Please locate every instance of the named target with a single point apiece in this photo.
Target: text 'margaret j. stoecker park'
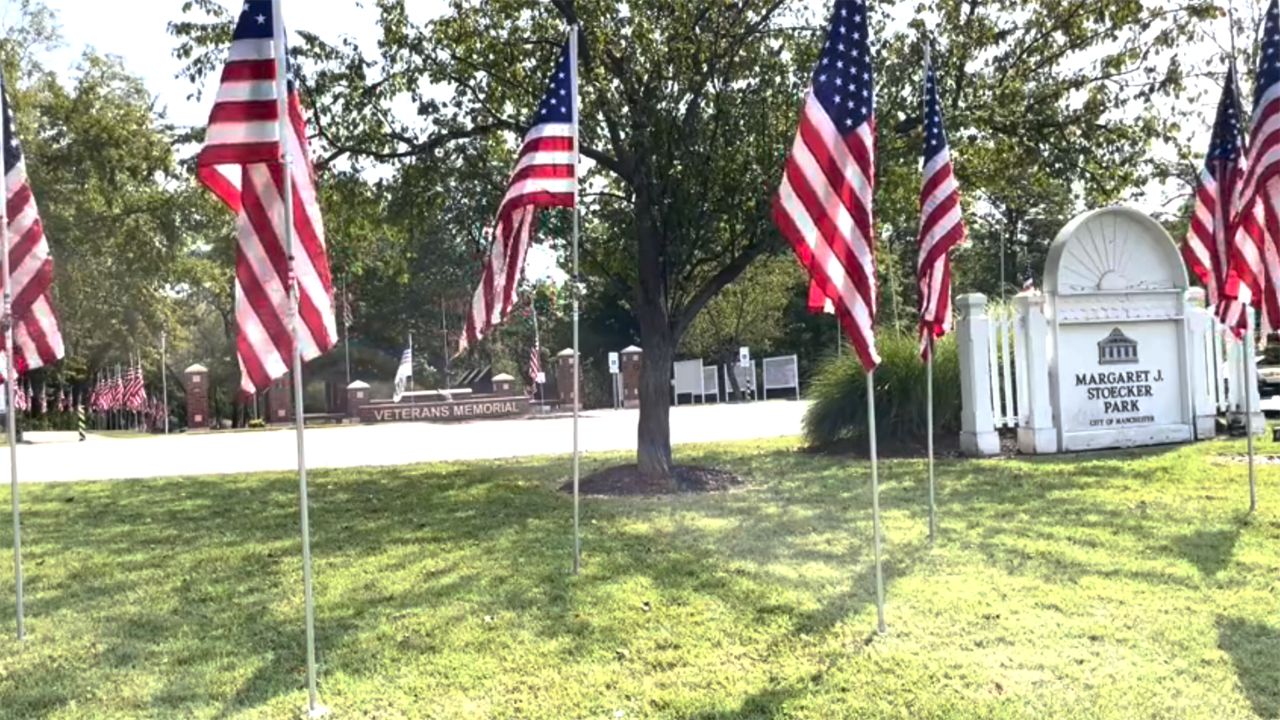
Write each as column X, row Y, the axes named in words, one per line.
column 671, row 360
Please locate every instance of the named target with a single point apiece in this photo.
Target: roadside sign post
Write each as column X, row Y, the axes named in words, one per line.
column 615, row 373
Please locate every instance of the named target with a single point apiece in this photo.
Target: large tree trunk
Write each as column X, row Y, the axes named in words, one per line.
column 653, row 447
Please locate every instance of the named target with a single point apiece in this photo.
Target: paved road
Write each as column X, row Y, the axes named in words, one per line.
column 57, row 457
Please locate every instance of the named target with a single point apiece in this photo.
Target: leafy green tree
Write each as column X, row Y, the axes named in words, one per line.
column 1051, row 107
column 752, row 311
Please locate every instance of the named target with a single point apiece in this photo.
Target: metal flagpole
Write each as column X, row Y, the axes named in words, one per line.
column 1249, row 381
column 929, row 347
column 410, row 362
column 577, row 302
column 444, row 329
column 164, row 376
column 933, row 506
column 537, row 343
column 299, row 409
column 11, row 412
column 346, row 327
column 875, row 499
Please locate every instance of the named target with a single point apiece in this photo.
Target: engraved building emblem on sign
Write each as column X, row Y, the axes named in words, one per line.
column 1118, row 349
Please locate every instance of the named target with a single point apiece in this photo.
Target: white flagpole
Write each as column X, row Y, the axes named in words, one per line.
column 346, row 327
column 1250, row 382
column 875, row 498
column 11, row 380
column 537, row 342
column 577, row 303
column 933, row 506
column 299, row 410
column 164, row 376
column 410, row 362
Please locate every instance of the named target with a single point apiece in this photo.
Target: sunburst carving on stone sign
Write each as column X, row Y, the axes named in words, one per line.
column 1101, row 258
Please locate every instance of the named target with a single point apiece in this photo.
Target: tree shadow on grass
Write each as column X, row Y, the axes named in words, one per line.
column 1255, row 650
column 764, row 705
column 1210, row 551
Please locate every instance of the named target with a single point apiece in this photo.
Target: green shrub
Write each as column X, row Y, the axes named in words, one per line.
column 257, row 424
column 838, row 416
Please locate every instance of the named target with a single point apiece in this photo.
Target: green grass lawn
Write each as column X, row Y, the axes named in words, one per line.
column 1129, row 585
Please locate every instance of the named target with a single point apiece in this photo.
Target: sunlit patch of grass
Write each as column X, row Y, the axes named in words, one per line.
column 1123, row 585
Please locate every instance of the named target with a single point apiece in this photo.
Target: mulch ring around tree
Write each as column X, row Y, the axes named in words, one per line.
column 626, row 481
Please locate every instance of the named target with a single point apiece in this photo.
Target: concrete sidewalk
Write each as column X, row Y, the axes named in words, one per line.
column 57, row 457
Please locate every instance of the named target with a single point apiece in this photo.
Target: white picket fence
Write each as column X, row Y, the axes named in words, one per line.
column 1002, row 344
column 1216, row 355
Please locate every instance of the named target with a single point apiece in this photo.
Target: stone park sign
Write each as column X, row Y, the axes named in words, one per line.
column 1112, row 354
column 1119, row 347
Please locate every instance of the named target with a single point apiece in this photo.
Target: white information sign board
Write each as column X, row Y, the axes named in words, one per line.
column 710, row 383
column 782, row 373
column 615, row 363
column 688, row 379
column 744, row 357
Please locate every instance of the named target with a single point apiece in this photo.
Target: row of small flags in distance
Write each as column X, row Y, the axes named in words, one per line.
column 125, row 392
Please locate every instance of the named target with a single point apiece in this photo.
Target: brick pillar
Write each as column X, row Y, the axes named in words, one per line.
column 280, row 401
column 632, row 359
column 357, row 397
column 504, row 385
column 564, row 377
column 198, row 418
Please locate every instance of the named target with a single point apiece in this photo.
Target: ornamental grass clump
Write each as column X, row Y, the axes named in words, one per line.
column 838, row 417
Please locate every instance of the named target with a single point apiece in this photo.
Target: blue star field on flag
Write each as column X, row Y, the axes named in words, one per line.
column 843, row 80
column 935, row 135
column 557, row 104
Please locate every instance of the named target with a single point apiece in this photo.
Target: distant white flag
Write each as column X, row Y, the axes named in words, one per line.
column 404, row 373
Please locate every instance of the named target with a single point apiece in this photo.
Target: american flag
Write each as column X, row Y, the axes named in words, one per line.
column 545, row 176
column 535, row 364
column 37, row 340
column 115, row 392
column 824, row 206
column 1255, row 259
column 21, row 399
column 241, row 162
column 941, row 221
column 1207, row 248
column 135, row 394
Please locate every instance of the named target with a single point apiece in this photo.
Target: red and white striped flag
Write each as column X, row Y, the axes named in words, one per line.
column 941, row 221
column 37, row 341
column 545, row 176
column 824, row 206
column 535, row 365
column 135, row 390
column 1255, row 258
column 116, row 397
column 1207, row 248
column 242, row 163
column 21, row 399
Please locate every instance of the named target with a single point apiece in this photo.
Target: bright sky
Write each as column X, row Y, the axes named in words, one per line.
column 147, row 48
